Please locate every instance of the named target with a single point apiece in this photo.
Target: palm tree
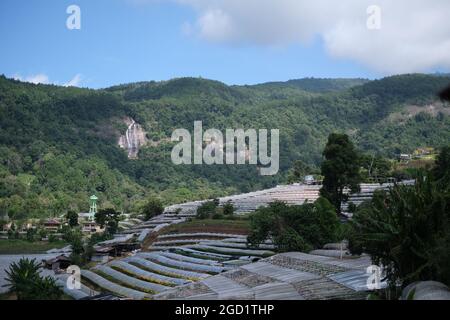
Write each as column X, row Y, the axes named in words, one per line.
column 21, row 277
column 25, row 281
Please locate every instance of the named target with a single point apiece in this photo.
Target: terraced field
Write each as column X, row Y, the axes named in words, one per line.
column 187, row 264
column 207, row 265
column 287, row 276
column 173, row 260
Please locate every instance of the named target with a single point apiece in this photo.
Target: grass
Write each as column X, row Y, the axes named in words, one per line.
column 14, row 246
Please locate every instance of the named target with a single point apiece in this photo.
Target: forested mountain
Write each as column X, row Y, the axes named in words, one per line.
column 59, row 145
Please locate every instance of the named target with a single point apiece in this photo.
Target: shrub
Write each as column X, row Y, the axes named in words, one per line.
column 290, row 240
column 52, row 238
column 295, row 227
column 152, row 208
column 31, row 235
column 217, row 216
column 228, row 209
column 206, row 210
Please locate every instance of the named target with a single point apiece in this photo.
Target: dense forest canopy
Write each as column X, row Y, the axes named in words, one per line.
column 59, row 145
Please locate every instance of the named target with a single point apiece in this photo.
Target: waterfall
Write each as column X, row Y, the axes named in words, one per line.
column 133, row 139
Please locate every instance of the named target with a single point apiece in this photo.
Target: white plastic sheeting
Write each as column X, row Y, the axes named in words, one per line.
column 153, row 277
column 201, row 234
column 232, row 251
column 144, row 235
column 116, row 240
column 244, row 240
column 209, row 255
column 131, row 281
column 177, row 242
column 113, row 287
column 84, row 291
column 182, row 264
column 236, row 245
column 181, row 257
column 166, row 270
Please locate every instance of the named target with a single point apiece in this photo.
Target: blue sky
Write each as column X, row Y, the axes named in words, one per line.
column 123, row 41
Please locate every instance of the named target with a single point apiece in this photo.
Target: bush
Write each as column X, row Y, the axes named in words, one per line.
column 31, row 235
column 42, row 233
column 228, row 209
column 295, row 227
column 52, row 238
column 206, row 210
column 290, row 240
column 217, row 216
column 152, row 208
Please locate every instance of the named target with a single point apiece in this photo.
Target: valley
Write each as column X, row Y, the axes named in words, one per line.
column 60, row 145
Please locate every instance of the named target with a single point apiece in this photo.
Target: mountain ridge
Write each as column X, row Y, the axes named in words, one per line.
column 59, row 145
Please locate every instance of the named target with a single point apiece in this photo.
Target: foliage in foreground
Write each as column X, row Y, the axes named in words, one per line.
column 407, row 229
column 295, row 228
column 24, row 280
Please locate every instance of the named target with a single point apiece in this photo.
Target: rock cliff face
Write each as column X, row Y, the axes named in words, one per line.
column 134, row 138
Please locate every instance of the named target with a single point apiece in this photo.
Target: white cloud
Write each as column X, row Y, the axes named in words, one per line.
column 414, row 34
column 36, row 79
column 42, row 78
column 74, row 82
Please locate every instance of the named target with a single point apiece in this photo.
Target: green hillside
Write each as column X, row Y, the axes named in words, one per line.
column 59, row 145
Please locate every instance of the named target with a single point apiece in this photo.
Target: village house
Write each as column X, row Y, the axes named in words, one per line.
column 52, row 225
column 58, row 263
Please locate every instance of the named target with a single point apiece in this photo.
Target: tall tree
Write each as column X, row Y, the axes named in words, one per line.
column 108, row 218
column 72, row 218
column 341, row 169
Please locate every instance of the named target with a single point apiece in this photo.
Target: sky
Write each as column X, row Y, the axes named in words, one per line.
column 233, row 41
